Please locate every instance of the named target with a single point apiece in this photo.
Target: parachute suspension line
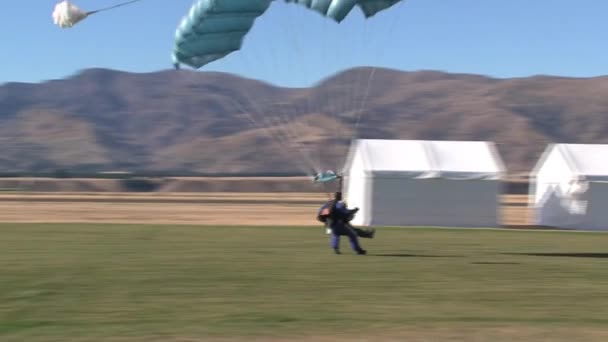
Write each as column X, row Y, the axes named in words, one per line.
column 302, row 122
column 317, row 96
column 364, row 92
column 294, row 119
column 284, row 120
column 268, row 123
column 372, row 65
column 344, row 100
column 320, row 105
column 358, row 110
column 254, row 113
column 66, row 14
column 278, row 122
column 295, row 126
column 261, row 119
column 329, row 101
column 261, row 113
column 379, row 54
column 358, row 85
column 268, row 132
column 290, row 144
column 113, row 7
column 354, row 93
column 363, row 101
column 286, row 115
column 287, row 120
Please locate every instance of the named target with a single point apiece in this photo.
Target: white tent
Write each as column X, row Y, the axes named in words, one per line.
column 569, row 187
column 424, row 183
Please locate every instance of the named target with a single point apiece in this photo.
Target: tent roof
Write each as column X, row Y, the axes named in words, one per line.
column 441, row 158
column 583, row 159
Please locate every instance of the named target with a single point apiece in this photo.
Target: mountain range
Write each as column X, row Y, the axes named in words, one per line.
column 216, row 123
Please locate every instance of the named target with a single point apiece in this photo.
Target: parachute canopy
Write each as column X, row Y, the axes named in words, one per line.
column 215, row 28
column 67, row 15
column 326, row 177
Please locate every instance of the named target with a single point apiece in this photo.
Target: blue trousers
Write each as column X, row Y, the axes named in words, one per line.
column 338, row 230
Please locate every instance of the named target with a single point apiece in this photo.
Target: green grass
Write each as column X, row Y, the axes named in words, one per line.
column 167, row 283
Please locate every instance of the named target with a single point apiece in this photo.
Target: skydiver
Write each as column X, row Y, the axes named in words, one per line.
column 337, row 217
column 323, row 213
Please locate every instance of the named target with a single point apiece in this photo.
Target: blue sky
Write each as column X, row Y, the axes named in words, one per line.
column 292, row 46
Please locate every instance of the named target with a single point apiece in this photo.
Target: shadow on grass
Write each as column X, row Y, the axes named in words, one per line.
column 495, row 263
column 404, row 255
column 565, row 255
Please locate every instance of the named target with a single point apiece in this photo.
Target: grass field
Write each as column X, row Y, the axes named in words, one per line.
column 132, row 283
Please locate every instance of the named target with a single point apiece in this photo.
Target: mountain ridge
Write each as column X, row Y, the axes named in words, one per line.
column 211, row 122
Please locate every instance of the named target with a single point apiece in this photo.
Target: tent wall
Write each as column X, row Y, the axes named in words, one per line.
column 466, row 158
column 424, row 183
column 549, row 185
column 395, row 155
column 357, row 187
column 596, row 198
column 569, row 187
column 554, row 209
column 587, row 211
column 555, row 171
column 434, row 202
column 588, row 159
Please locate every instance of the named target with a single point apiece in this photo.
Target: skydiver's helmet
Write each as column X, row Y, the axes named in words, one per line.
column 338, row 196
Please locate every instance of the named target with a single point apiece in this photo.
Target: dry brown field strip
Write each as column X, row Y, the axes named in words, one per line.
column 200, row 208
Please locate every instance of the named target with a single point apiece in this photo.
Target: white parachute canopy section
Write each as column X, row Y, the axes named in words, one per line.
column 67, row 14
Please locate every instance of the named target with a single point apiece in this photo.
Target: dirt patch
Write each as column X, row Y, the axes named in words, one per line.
column 198, row 209
column 162, row 185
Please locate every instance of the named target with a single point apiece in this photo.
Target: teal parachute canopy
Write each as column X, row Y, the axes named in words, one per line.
column 326, row 177
column 215, row 28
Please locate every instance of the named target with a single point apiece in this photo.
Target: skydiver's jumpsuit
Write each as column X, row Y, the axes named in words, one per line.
column 337, row 219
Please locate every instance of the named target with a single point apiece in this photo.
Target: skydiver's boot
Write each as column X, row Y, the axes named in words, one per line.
column 354, row 243
column 369, row 234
